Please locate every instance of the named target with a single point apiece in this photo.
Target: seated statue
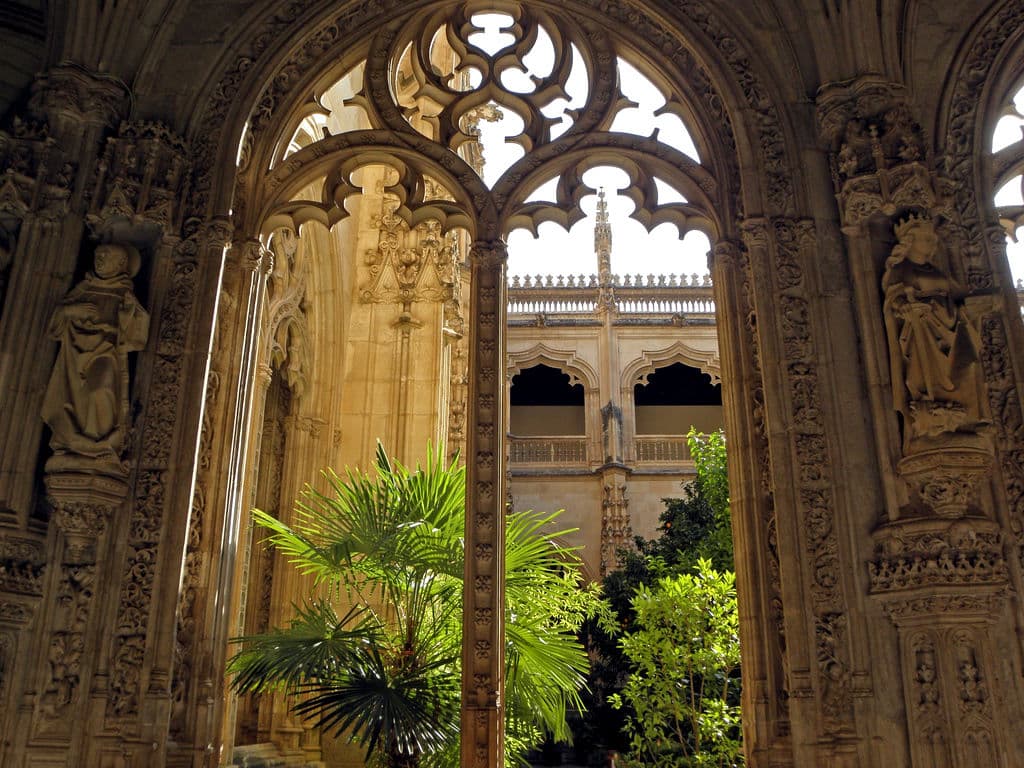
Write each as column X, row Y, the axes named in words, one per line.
column 97, row 324
column 934, row 349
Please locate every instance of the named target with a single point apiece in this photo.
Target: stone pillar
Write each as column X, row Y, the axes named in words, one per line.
column 483, row 633
column 825, row 652
column 939, row 567
column 616, row 530
column 210, row 597
column 765, row 664
column 71, row 635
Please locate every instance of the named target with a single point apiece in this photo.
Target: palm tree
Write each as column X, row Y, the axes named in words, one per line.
column 386, row 670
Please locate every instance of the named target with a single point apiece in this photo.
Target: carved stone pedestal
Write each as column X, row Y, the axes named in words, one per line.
column 942, row 582
column 83, row 504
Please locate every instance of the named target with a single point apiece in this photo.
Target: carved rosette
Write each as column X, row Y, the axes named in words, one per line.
column 483, row 610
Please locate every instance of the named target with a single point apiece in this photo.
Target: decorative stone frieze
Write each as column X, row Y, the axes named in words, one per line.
column 22, row 565
column 929, row 552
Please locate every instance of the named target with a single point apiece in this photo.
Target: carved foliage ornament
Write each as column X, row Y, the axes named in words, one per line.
column 409, row 265
column 151, row 492
column 791, row 239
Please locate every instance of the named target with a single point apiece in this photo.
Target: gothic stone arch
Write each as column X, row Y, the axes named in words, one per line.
column 873, row 578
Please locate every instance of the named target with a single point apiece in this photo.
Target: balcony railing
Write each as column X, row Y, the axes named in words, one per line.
column 654, row 299
column 554, row 451
column 662, row 449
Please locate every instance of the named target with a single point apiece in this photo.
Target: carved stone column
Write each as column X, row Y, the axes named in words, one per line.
column 825, row 677
column 754, row 519
column 83, row 507
column 209, row 602
column 616, row 530
column 483, row 628
column 939, row 569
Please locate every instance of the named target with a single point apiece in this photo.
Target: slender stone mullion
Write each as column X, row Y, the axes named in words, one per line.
column 251, row 283
column 483, row 640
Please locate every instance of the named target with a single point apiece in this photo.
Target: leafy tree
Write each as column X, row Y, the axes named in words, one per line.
column 698, row 525
column 387, row 670
column 693, row 527
column 684, row 653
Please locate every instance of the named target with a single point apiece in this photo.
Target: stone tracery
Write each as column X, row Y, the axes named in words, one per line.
column 785, row 416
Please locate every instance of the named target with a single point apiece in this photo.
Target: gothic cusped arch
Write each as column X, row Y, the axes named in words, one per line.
column 716, row 74
column 262, row 97
column 636, row 372
column 578, row 369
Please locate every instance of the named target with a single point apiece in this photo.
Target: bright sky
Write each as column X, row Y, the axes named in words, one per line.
column 634, row 250
column 557, row 251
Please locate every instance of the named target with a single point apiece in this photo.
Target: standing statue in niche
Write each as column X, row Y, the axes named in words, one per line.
column 934, row 350
column 97, row 324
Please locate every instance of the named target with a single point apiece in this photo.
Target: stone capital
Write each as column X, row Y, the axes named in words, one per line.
column 488, row 254
column 754, row 232
column 724, row 252
column 70, row 95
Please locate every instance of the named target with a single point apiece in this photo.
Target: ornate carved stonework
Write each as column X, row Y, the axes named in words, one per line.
column 145, row 524
column 82, row 506
column 22, row 565
column 788, row 241
column 37, row 176
column 408, row 265
column 936, row 552
column 287, row 343
column 483, row 649
column 616, row 531
column 140, row 179
column 86, row 403
column 68, row 96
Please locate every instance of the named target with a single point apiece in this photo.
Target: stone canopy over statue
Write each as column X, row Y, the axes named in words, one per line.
column 934, row 348
column 86, row 403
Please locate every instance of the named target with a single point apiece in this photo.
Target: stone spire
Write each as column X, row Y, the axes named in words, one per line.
column 603, row 238
column 603, row 249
